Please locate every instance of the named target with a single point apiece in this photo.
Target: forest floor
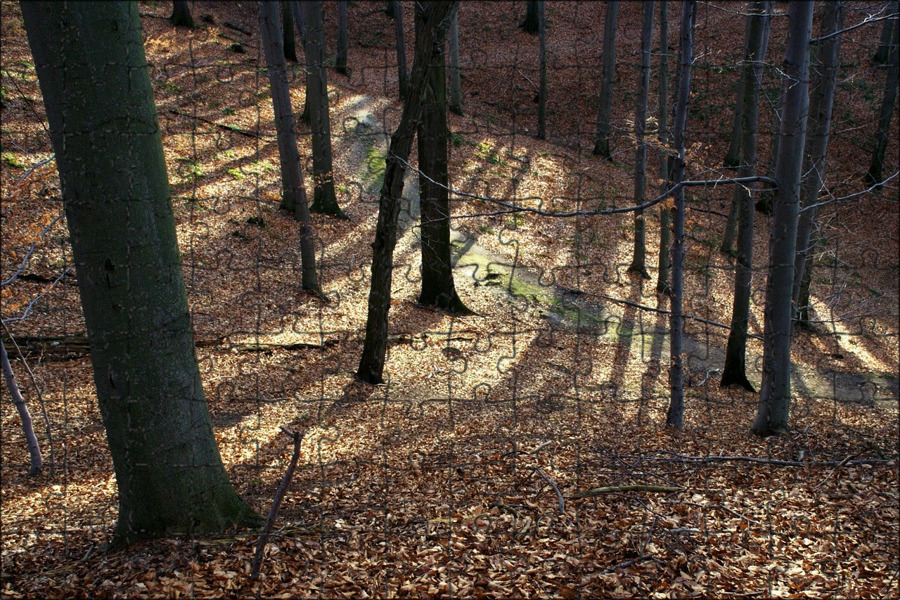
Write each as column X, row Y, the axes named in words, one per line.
column 517, row 452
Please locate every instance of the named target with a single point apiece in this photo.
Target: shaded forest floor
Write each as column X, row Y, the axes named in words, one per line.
column 520, row 451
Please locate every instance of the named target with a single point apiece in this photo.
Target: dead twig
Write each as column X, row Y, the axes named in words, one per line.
column 559, row 496
column 663, row 489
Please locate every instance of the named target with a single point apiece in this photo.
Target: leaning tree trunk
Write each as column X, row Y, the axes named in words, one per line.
column 883, row 54
column 402, row 76
column 435, row 19
column 735, row 371
column 532, row 22
column 775, row 395
column 456, row 98
column 92, row 70
column 324, row 199
column 340, row 60
column 34, row 449
column 604, row 112
column 181, row 14
column 821, row 102
column 293, row 193
column 438, row 289
column 542, row 60
column 638, row 261
column 675, row 413
column 287, row 30
column 874, row 175
column 665, row 215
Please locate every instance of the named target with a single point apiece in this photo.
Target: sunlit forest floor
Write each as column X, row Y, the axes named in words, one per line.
column 519, row 451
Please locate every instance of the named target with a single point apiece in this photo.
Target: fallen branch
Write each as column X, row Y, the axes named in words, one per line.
column 231, row 128
column 628, row 488
column 559, row 496
column 763, row 461
column 276, row 503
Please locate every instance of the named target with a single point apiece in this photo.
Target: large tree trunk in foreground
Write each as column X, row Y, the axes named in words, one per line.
column 675, row 413
column 435, row 16
column 92, row 70
column 821, row 102
column 886, row 111
column 665, row 215
column 438, row 289
column 604, row 112
column 735, row 370
column 638, row 260
column 775, row 395
column 293, row 192
column 324, row 199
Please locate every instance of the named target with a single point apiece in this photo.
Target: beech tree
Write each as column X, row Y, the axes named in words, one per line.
column 638, row 260
column 735, row 372
column 402, row 76
column 775, row 393
column 532, row 21
column 874, row 174
column 287, row 31
column 340, row 60
column 181, row 14
column 883, row 54
column 456, row 99
column 434, row 17
column 665, row 215
column 604, row 112
column 91, row 67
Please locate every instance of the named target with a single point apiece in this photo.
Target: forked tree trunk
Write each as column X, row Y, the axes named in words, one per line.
column 92, row 70
column 735, row 370
column 435, row 16
column 542, row 60
column 821, row 102
column 665, row 214
column 675, row 413
column 324, row 199
column 456, row 98
column 340, row 60
column 874, row 174
column 402, row 76
column 775, row 395
column 638, row 260
column 604, row 112
column 293, row 192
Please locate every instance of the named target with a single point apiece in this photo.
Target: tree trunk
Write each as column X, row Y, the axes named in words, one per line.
column 675, row 413
column 438, row 289
column 638, row 261
column 733, row 156
column 542, row 60
column 403, row 78
column 821, row 102
column 532, row 21
column 665, row 215
column 34, row 449
column 324, row 199
column 604, row 112
column 874, row 175
column 287, row 30
column 456, row 98
column 293, row 192
column 340, row 61
column 435, row 17
column 297, row 13
column 883, row 54
column 775, row 395
column 92, row 70
column 181, row 14
column 735, row 372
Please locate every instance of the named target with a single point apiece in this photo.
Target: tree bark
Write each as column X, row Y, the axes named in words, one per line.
column 886, row 111
column 638, row 260
column 821, row 102
column 532, row 21
column 883, row 54
column 675, row 413
column 436, row 17
column 542, row 60
column 297, row 13
column 456, row 98
column 92, row 70
column 402, row 76
column 735, row 372
column 438, row 289
column 181, row 14
column 733, row 156
column 287, row 30
column 34, row 449
column 340, row 61
column 324, row 199
column 665, row 215
column 604, row 112
column 775, row 395
column 293, row 192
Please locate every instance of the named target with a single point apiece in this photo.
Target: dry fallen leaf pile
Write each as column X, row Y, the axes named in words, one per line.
column 517, row 452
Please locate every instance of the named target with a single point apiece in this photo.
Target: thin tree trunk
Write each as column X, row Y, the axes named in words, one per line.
column 665, row 214
column 456, row 98
column 775, row 395
column 531, row 24
column 103, row 125
column 287, row 30
column 340, row 61
column 638, row 261
column 733, row 156
column 371, row 366
column 34, row 449
column 181, row 14
column 542, row 59
column 675, row 413
column 438, row 289
column 293, row 192
column 874, row 174
column 821, row 103
column 301, row 31
column 403, row 78
column 735, row 371
column 324, row 199
column 604, row 112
